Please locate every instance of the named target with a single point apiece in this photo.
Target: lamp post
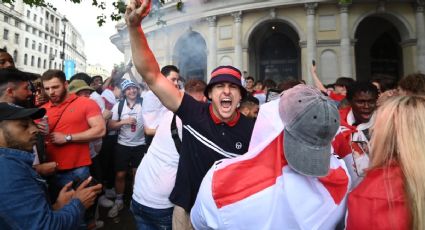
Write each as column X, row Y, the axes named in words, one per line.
column 64, row 21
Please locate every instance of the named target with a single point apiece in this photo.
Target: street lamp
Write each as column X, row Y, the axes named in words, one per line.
column 64, row 21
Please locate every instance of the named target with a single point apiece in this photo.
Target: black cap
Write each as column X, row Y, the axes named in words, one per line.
column 10, row 111
column 14, row 75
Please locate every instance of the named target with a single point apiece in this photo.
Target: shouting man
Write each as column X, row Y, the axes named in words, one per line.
column 210, row 131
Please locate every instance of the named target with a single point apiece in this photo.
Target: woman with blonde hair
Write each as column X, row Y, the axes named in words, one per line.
column 392, row 194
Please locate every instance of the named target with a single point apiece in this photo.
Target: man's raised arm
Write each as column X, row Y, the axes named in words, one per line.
column 143, row 58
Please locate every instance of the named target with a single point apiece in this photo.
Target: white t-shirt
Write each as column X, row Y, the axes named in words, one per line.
column 98, row 99
column 153, row 110
column 156, row 174
column 126, row 136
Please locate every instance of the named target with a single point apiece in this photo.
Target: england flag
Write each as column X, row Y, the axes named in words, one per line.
column 260, row 191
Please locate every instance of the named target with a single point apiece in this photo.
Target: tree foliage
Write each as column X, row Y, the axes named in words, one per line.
column 119, row 7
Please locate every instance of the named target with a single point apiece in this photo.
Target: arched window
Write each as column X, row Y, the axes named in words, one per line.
column 44, row 64
column 38, row 62
column 25, row 59
column 32, row 60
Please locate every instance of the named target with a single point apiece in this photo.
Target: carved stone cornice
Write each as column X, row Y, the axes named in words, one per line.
column 343, row 7
column 419, row 6
column 237, row 16
column 311, row 8
column 212, row 21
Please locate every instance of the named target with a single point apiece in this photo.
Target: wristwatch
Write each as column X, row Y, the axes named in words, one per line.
column 68, row 138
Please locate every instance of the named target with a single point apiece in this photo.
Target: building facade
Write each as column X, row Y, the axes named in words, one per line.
column 278, row 39
column 97, row 69
column 34, row 37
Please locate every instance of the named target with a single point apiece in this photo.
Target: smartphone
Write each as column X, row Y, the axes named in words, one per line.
column 313, row 62
column 77, row 182
column 360, row 153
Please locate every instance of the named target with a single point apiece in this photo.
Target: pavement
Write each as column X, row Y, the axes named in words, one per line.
column 124, row 220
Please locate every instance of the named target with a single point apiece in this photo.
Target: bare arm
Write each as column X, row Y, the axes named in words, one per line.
column 144, row 59
column 97, row 130
column 115, row 125
column 316, row 79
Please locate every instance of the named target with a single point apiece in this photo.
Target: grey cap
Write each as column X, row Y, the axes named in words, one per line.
column 311, row 121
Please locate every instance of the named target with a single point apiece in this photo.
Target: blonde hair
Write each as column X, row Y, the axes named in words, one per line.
column 399, row 136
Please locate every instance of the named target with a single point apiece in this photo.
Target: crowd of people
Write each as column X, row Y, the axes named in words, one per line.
column 235, row 153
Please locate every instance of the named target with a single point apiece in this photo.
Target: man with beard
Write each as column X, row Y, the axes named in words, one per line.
column 14, row 89
column 14, row 86
column 24, row 203
column 351, row 141
column 73, row 122
column 210, row 131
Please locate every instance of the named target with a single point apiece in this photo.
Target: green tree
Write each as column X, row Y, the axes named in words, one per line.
column 118, row 5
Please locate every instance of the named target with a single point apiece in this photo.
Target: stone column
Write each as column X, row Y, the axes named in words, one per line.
column 212, row 43
column 237, row 38
column 311, row 38
column 345, row 45
column 420, row 36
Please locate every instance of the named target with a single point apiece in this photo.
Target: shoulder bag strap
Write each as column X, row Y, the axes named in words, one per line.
column 175, row 134
column 52, row 128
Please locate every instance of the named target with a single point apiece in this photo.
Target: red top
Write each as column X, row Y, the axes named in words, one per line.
column 336, row 97
column 73, row 120
column 379, row 202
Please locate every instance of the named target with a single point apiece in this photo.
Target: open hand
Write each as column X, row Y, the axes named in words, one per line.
column 65, row 196
column 87, row 195
column 136, row 11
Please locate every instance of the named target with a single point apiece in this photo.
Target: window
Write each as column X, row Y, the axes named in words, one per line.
column 45, row 49
column 35, row 18
column 28, row 14
column 40, row 33
column 41, row 21
column 16, row 38
column 17, row 23
column 25, row 59
column 55, row 65
column 44, row 64
column 5, row 34
column 38, row 62
column 26, row 42
column 39, row 47
column 33, row 45
column 51, row 50
column 15, row 56
column 46, row 36
column 32, row 60
column 6, row 19
column 34, row 30
column 27, row 28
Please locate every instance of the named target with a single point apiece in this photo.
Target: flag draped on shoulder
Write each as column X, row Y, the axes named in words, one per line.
column 259, row 190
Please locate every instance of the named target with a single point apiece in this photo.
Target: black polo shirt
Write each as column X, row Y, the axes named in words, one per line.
column 205, row 140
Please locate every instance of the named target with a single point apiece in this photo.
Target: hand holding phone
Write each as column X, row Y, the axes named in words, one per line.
column 77, row 182
column 87, row 191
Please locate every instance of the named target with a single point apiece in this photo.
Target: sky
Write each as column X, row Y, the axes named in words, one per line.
column 98, row 47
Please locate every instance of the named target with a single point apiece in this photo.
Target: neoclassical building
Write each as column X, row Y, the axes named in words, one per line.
column 35, row 37
column 278, row 39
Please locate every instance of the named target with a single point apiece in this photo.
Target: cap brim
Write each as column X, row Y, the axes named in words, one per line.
column 82, row 88
column 305, row 159
column 34, row 113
